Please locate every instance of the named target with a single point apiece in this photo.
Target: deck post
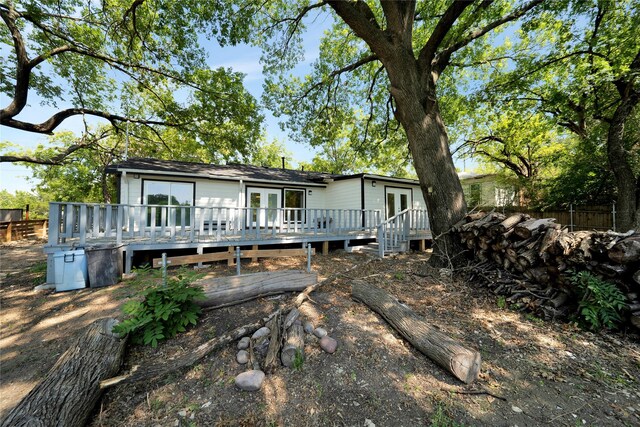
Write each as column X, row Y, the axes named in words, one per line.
column 230, row 261
column 200, row 251
column 255, row 258
column 128, row 260
column 325, row 247
column 423, row 245
column 308, row 257
column 238, row 262
column 82, row 224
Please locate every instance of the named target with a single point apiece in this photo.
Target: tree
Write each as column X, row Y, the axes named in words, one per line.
column 38, row 208
column 522, row 144
column 406, row 48
column 580, row 65
column 139, row 65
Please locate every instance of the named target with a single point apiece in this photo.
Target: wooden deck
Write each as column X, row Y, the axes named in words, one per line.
column 157, row 227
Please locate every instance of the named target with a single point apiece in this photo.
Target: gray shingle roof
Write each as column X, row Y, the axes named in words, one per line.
column 231, row 171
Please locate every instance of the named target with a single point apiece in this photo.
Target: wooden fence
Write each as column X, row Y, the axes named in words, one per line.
column 22, row 230
column 575, row 218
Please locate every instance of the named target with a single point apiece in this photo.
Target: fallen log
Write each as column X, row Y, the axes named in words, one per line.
column 463, row 363
column 294, row 346
column 507, row 224
column 150, row 372
column 231, row 290
column 70, row 390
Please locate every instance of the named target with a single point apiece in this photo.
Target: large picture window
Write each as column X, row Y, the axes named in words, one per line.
column 294, row 199
column 169, row 193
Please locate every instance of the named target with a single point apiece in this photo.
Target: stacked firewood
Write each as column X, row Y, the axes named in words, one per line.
column 531, row 260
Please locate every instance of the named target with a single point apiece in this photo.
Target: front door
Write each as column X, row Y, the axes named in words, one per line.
column 264, row 204
column 398, row 199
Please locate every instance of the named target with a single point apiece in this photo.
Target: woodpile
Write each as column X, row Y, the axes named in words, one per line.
column 530, row 261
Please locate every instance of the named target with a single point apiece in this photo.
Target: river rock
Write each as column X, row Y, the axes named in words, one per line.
column 242, row 357
column 328, row 344
column 308, row 327
column 320, row 332
column 243, row 344
column 250, row 380
column 262, row 332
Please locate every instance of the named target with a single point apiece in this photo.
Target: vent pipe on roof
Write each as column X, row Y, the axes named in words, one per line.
column 282, row 162
column 302, row 168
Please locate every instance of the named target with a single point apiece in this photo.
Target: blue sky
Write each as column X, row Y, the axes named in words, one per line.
column 245, row 59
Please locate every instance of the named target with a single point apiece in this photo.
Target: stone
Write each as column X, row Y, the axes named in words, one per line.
column 243, row 344
column 320, row 332
column 182, row 413
column 242, row 357
column 308, row 327
column 250, row 380
column 328, row 344
column 262, row 332
column 368, row 423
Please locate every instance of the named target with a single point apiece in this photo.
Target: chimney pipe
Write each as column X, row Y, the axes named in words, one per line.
column 302, row 168
column 282, row 162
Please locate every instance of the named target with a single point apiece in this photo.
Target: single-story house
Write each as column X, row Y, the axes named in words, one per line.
column 166, row 205
column 483, row 189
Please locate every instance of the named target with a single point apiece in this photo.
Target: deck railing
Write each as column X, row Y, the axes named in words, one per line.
column 397, row 229
column 85, row 222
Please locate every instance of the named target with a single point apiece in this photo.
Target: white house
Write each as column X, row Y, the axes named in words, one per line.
column 169, row 205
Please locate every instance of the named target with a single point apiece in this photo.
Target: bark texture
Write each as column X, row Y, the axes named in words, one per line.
column 70, row 390
column 451, row 355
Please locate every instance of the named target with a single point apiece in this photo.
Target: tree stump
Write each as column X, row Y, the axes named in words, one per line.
column 463, row 363
column 71, row 389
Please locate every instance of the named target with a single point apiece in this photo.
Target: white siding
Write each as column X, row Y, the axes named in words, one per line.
column 217, row 193
column 344, row 194
column 317, row 198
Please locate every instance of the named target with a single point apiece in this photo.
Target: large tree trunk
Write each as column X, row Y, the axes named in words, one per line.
column 627, row 205
column 463, row 363
column 418, row 112
column 71, row 389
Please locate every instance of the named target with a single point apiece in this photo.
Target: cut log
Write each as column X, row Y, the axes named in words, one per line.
column 463, row 363
column 507, row 224
column 271, row 361
column 70, row 390
column 529, row 227
column 293, row 346
column 225, row 291
column 528, row 258
column 626, row 251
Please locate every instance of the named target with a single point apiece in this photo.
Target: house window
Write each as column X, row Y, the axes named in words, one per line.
column 294, row 205
column 165, row 193
column 475, row 195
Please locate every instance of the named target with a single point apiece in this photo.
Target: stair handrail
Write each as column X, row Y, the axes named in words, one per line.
column 394, row 224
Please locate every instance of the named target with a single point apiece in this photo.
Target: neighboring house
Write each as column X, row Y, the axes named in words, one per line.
column 484, row 190
column 165, row 205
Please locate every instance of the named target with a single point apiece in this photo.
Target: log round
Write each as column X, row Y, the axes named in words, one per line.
column 71, row 389
column 294, row 345
column 460, row 361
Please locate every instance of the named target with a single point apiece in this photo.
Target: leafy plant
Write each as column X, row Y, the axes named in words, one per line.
column 161, row 311
column 298, row 360
column 600, row 303
column 501, row 302
column 440, row 418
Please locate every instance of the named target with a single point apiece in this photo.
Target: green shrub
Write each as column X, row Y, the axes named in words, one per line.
column 161, row 311
column 601, row 303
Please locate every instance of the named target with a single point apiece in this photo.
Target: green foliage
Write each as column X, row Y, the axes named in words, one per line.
column 38, row 205
column 501, row 302
column 298, row 360
column 440, row 418
column 601, row 303
column 160, row 312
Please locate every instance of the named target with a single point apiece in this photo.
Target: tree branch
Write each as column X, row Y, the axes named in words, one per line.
column 442, row 58
column 336, row 73
column 444, row 25
column 359, row 17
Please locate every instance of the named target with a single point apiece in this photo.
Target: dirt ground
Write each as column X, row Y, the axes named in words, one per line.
column 535, row 372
